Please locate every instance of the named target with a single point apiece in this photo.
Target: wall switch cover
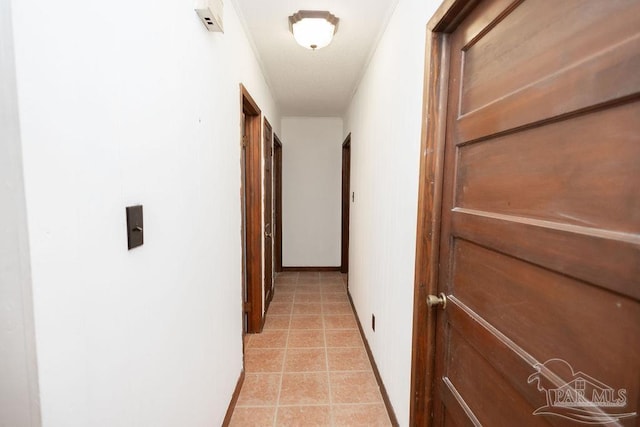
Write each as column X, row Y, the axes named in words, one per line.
column 211, row 13
column 135, row 231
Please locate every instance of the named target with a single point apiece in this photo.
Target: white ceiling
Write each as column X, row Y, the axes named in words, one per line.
column 314, row 83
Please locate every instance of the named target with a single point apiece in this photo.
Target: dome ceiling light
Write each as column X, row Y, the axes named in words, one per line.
column 313, row 29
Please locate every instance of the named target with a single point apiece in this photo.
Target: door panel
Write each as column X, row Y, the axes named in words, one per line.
column 494, row 172
column 494, row 58
column 540, row 233
column 513, row 283
column 471, row 371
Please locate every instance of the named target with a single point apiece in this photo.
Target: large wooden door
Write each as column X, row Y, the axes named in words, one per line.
column 251, row 197
column 277, row 202
column 267, row 135
column 539, row 242
column 346, row 203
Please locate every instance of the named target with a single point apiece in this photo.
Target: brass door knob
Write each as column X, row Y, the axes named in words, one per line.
column 433, row 300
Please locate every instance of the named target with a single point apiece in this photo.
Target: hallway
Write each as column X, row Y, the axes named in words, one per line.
column 309, row 366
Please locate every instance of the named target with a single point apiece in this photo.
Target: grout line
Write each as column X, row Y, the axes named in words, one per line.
column 326, row 355
column 284, row 360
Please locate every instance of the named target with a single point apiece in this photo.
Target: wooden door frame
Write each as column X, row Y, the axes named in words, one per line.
column 346, row 206
column 277, row 193
column 434, row 113
column 253, row 190
column 268, row 170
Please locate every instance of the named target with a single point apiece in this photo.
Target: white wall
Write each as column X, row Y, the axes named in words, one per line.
column 125, row 103
column 384, row 118
column 311, row 191
column 18, row 372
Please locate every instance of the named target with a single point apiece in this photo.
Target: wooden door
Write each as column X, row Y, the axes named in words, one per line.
column 243, row 206
column 251, row 195
column 346, row 203
column 267, row 136
column 277, row 201
column 539, row 242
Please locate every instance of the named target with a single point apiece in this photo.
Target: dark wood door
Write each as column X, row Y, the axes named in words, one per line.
column 251, row 194
column 243, row 206
column 346, row 203
column 539, row 253
column 268, row 210
column 277, row 201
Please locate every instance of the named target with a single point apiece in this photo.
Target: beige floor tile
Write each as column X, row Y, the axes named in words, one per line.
column 276, row 322
column 304, row 389
column 305, row 360
column 305, row 338
column 334, row 288
column 336, row 308
column 308, row 416
column 328, row 275
column 253, row 417
column 354, row 387
column 259, row 389
column 307, row 308
column 280, row 308
column 306, row 322
column 343, row 338
column 283, row 296
column 348, row 359
column 335, row 297
column 308, row 281
column 276, row 338
column 309, row 289
column 306, row 298
column 360, row 415
column 263, row 360
column 285, row 287
column 340, row 321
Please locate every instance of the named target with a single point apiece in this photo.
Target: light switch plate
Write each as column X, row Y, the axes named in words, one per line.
column 211, row 13
column 135, row 230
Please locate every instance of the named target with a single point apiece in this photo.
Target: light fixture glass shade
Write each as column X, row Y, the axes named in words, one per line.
column 313, row 29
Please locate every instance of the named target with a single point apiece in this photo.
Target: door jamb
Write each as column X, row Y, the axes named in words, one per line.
column 253, row 191
column 434, row 114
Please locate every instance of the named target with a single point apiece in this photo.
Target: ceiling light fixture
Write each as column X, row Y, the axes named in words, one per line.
column 313, row 29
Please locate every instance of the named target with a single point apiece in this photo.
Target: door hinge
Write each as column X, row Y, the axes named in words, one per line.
column 247, row 307
column 244, row 140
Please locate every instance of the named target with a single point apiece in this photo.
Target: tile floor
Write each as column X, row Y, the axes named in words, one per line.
column 309, row 366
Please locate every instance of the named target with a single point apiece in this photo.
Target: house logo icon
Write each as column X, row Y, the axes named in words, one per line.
column 577, row 396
